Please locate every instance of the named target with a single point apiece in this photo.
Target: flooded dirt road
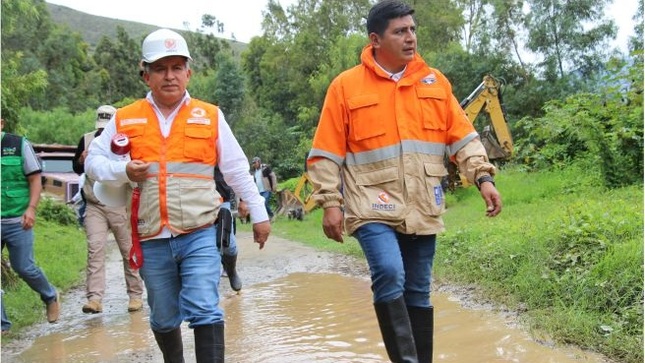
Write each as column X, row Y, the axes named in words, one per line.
column 297, row 305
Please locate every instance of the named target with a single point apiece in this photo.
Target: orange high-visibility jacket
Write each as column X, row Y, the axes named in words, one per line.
column 179, row 192
column 388, row 140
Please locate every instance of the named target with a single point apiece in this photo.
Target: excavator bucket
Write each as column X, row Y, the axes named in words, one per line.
column 299, row 202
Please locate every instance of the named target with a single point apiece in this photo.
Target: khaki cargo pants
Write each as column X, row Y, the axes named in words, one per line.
column 99, row 220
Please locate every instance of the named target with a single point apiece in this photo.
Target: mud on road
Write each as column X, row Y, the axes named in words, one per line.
column 297, row 305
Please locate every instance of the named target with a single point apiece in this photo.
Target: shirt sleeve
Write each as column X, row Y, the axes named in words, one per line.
column 31, row 164
column 234, row 165
column 98, row 164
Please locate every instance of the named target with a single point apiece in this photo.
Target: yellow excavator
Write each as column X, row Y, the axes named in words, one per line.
column 487, row 96
column 495, row 135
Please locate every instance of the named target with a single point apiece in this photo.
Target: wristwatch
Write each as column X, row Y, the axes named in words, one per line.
column 484, row 179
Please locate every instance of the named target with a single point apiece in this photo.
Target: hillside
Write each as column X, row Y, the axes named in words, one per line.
column 92, row 27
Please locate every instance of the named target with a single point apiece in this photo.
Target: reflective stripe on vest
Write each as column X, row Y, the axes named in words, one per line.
column 179, row 192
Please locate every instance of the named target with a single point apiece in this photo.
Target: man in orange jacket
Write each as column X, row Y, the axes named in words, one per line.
column 168, row 145
column 377, row 162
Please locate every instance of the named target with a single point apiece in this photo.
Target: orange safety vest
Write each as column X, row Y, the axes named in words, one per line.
column 179, row 192
column 390, row 139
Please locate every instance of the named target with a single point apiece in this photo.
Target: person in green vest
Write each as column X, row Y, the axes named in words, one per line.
column 21, row 186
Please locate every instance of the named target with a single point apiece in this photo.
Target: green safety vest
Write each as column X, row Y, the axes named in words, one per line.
column 15, row 187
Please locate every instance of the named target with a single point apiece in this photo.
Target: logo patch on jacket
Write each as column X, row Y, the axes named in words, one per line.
column 383, row 202
column 429, row 79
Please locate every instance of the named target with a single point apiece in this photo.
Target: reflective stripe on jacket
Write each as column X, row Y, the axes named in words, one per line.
column 179, row 192
column 389, row 139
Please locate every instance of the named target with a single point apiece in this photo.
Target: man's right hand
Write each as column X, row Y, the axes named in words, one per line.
column 137, row 170
column 333, row 223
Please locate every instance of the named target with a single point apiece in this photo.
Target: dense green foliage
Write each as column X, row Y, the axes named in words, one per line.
column 602, row 129
column 566, row 250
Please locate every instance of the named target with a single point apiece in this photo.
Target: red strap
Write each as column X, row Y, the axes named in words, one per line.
column 136, row 254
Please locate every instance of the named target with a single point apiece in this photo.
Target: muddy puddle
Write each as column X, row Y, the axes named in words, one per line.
column 297, row 305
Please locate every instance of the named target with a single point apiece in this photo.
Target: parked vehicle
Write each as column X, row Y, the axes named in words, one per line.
column 58, row 176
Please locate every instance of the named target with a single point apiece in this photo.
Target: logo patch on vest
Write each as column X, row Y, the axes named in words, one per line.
column 9, row 151
column 133, row 121
column 198, row 112
column 383, row 203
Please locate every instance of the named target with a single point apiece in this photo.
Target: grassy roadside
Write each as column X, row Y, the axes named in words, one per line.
column 61, row 252
column 565, row 252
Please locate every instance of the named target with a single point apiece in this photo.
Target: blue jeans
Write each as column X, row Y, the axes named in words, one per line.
column 231, row 250
column 400, row 264
column 20, row 244
column 181, row 275
column 267, row 197
column 6, row 324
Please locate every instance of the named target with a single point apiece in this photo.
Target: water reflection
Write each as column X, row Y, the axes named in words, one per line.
column 301, row 317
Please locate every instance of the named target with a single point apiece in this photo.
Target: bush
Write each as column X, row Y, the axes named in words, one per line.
column 54, row 211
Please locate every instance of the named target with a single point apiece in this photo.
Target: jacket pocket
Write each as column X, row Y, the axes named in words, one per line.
column 437, row 201
column 364, row 119
column 432, row 102
column 377, row 195
column 17, row 193
column 199, row 139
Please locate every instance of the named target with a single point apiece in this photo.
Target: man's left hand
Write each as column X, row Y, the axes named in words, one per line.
column 492, row 198
column 261, row 232
column 29, row 218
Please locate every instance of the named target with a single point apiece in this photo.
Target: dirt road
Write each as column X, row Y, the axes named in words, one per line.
column 297, row 305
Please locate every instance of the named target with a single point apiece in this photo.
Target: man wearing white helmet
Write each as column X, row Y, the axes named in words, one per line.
column 175, row 142
column 98, row 220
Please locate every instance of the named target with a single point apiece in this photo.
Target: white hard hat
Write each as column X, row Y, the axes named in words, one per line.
column 103, row 115
column 109, row 195
column 163, row 43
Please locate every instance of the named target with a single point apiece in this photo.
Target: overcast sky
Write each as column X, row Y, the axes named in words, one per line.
column 243, row 18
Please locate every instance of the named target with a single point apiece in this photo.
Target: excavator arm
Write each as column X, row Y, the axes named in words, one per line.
column 498, row 141
column 495, row 136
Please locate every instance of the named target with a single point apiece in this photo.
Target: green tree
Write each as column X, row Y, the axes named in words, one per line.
column 205, row 46
column 65, row 57
column 117, row 61
column 18, row 80
column 569, row 35
column 229, row 88
column 439, row 24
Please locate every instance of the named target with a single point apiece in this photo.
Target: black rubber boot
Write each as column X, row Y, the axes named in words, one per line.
column 229, row 263
column 209, row 343
column 422, row 320
column 396, row 330
column 171, row 345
